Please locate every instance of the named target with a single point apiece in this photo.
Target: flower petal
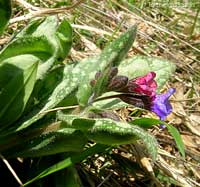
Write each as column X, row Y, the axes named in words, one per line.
column 146, row 85
column 161, row 105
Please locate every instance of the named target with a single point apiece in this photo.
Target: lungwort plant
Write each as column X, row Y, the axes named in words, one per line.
column 35, row 84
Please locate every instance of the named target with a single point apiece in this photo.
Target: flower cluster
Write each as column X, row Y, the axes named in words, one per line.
column 140, row 92
column 160, row 104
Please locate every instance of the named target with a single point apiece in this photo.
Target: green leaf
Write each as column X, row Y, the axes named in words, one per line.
column 109, row 104
column 115, row 52
column 17, row 79
column 148, row 122
column 71, row 160
column 50, row 47
column 5, row 14
column 36, row 46
column 59, row 36
column 111, row 56
column 177, row 137
column 61, row 91
column 145, row 122
column 85, row 72
column 101, row 83
column 43, row 89
column 64, row 35
column 109, row 132
column 52, row 141
column 141, row 65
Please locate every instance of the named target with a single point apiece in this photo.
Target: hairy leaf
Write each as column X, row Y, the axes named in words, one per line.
column 109, row 132
column 50, row 47
column 111, row 56
column 48, row 143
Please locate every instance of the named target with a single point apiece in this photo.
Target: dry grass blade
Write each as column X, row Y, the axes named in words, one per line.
column 175, row 173
column 11, row 170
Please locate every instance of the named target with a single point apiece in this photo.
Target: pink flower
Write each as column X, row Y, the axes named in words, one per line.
column 145, row 85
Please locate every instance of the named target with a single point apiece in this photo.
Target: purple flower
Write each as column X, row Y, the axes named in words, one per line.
column 161, row 105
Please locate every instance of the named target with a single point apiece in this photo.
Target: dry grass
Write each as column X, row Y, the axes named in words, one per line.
column 170, row 32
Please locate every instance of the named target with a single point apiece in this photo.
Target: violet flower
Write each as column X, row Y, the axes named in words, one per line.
column 161, row 105
column 145, row 85
column 140, row 92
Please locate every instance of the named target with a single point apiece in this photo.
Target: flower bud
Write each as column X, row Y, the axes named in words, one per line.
column 117, row 83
